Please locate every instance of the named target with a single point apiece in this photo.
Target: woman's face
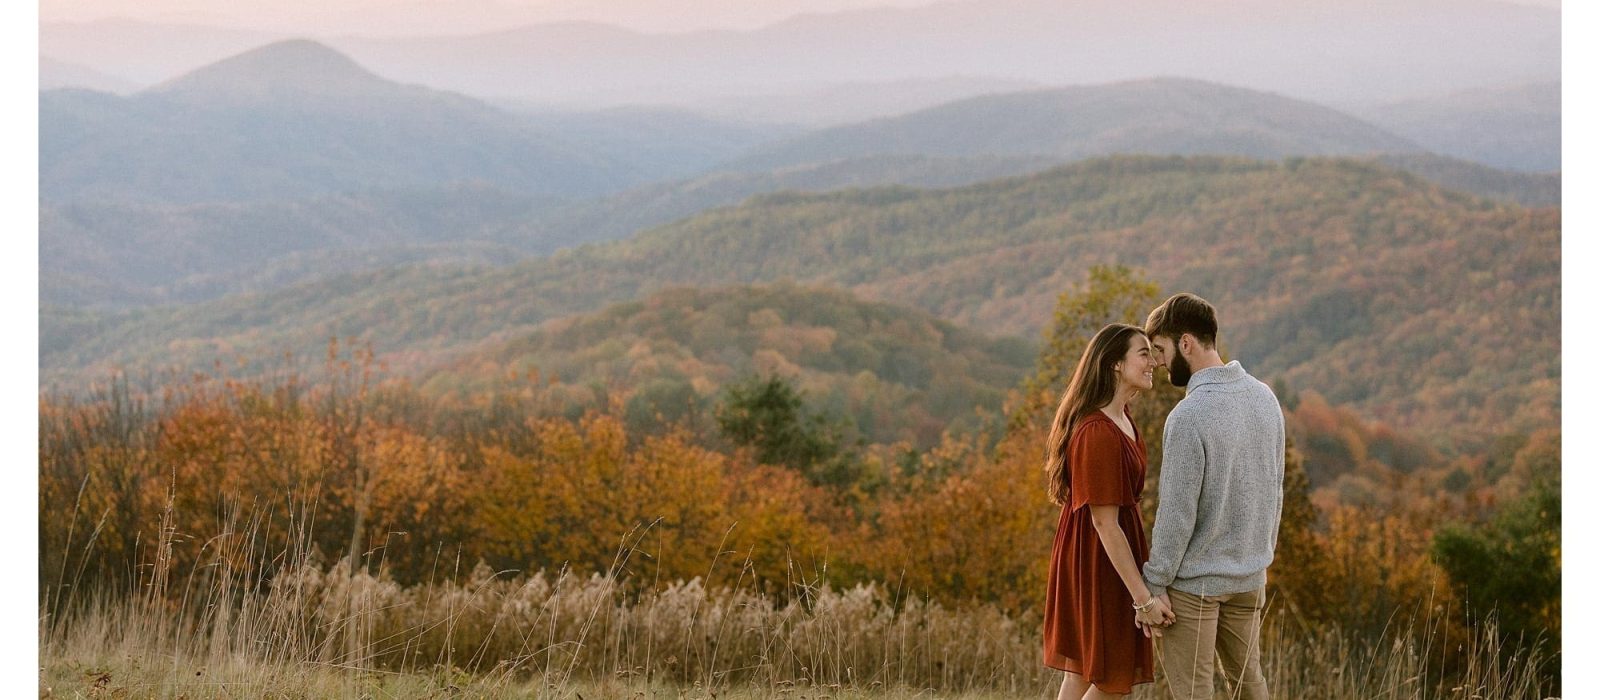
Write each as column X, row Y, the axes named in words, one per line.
column 1138, row 367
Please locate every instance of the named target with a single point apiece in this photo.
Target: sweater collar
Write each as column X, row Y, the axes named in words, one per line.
column 1221, row 374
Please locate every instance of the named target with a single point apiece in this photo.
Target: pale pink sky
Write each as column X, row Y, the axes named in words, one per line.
column 451, row 16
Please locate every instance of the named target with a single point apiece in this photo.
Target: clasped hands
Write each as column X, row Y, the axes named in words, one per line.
column 1153, row 619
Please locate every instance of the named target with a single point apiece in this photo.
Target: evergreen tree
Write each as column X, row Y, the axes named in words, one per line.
column 1511, row 566
column 769, row 415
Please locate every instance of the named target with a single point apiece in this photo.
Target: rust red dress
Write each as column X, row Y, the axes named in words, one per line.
column 1089, row 624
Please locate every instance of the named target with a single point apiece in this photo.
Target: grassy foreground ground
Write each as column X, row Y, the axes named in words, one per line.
column 128, row 678
column 325, row 633
column 132, row 675
column 300, row 628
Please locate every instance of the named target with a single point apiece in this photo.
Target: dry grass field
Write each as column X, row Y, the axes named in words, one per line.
column 315, row 630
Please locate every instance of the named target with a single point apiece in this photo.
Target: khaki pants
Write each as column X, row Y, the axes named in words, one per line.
column 1225, row 627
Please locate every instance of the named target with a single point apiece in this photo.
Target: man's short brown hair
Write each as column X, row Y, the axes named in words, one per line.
column 1183, row 313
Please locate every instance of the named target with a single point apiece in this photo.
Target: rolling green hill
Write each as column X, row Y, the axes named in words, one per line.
column 1527, row 189
column 1425, row 308
column 893, row 372
column 122, row 255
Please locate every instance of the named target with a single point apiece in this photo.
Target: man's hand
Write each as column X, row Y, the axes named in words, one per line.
column 1156, row 616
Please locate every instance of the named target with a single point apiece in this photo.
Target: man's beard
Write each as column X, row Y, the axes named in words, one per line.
column 1178, row 371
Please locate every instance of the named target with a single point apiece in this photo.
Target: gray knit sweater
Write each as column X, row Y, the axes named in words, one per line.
column 1221, row 487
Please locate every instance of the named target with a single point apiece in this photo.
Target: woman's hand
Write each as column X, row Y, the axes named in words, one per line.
column 1155, row 615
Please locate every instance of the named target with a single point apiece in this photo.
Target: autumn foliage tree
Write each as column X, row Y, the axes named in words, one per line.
column 982, row 533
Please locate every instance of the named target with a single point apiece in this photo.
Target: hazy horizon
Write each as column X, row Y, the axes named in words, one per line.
column 840, row 60
column 421, row 17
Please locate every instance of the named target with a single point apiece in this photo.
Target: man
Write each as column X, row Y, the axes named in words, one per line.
column 1221, row 493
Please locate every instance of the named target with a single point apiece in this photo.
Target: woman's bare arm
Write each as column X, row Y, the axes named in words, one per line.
column 1106, row 525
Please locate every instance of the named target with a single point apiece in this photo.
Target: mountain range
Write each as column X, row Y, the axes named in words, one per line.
column 112, row 255
column 1516, row 127
column 236, row 176
column 291, row 161
column 54, row 75
column 1153, row 116
column 1339, row 275
column 1324, row 50
column 296, row 119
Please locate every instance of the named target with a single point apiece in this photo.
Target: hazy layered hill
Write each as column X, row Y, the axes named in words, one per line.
column 1336, row 275
column 1516, row 127
column 298, row 70
column 55, row 74
column 1325, row 50
column 296, row 118
column 1157, row 116
column 122, row 255
column 292, row 119
column 835, row 103
column 895, row 373
column 819, row 105
column 625, row 214
column 657, row 143
column 1317, row 49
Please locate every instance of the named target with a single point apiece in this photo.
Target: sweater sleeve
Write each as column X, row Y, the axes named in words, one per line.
column 1183, row 464
column 1282, row 464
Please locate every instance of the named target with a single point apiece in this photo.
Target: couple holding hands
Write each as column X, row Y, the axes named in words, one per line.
column 1198, row 584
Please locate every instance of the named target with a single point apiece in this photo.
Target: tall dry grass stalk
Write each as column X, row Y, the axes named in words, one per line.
column 248, row 623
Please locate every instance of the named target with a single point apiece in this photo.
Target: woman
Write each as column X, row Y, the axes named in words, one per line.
column 1098, row 612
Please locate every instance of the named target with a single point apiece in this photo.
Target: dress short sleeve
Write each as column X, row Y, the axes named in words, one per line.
column 1097, row 470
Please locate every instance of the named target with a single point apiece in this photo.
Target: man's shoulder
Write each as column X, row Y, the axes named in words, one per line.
column 1263, row 393
column 1208, row 402
column 1185, row 411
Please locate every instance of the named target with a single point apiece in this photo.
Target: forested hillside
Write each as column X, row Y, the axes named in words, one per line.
column 1333, row 275
column 1527, row 189
column 254, row 173
column 886, row 373
column 120, row 254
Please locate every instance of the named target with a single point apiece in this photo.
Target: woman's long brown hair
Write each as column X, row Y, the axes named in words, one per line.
column 1093, row 384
